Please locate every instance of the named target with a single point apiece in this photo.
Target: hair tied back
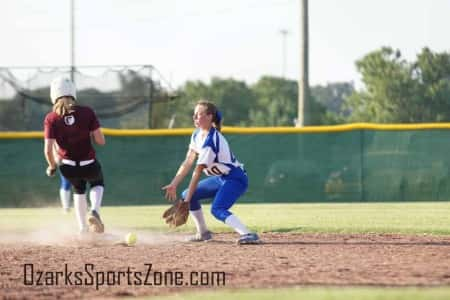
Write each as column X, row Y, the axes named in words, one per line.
column 218, row 116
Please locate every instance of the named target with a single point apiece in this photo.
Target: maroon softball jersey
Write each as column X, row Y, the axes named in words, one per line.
column 72, row 133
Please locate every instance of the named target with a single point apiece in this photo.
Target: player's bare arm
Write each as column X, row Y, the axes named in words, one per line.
column 48, row 152
column 183, row 170
column 98, row 137
column 194, row 181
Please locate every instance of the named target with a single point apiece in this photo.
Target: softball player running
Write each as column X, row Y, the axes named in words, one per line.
column 226, row 181
column 72, row 127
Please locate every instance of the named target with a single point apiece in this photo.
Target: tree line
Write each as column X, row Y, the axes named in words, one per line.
column 393, row 90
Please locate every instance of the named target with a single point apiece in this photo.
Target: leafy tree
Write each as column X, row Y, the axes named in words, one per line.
column 431, row 72
column 397, row 91
column 332, row 96
column 277, row 103
column 234, row 99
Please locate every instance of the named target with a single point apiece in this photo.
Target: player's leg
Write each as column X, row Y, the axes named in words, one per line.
column 96, row 196
column 80, row 206
column 227, row 195
column 94, row 175
column 64, row 193
column 206, row 188
column 224, row 200
column 71, row 173
column 80, row 203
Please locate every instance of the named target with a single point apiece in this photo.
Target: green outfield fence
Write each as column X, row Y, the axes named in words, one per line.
column 355, row 162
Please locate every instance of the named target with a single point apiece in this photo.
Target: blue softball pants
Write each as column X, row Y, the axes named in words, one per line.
column 225, row 190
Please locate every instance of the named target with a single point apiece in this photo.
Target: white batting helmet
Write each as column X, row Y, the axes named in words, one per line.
column 62, row 86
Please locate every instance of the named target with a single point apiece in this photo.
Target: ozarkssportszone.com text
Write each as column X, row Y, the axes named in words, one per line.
column 91, row 276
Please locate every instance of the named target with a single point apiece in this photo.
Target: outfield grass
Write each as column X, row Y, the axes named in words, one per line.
column 408, row 218
column 316, row 293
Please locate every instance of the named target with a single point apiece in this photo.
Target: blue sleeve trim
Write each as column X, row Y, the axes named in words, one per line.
column 209, row 142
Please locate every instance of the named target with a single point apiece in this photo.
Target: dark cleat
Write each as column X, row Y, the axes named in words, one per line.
column 249, row 238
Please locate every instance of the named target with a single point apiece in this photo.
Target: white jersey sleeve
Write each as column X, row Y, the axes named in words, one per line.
column 192, row 144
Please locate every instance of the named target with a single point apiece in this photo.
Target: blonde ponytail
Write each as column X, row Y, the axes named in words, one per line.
column 64, row 106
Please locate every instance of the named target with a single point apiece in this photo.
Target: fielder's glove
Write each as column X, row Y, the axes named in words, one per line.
column 177, row 214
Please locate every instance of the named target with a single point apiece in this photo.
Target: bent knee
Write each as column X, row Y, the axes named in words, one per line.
column 220, row 213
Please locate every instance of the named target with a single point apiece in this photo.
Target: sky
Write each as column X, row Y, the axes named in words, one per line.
column 241, row 39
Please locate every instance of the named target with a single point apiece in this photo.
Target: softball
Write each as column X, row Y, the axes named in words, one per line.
column 131, row 238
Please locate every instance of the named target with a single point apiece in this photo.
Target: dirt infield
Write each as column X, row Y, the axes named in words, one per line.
column 53, row 270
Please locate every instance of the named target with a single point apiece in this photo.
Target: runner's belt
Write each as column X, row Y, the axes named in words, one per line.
column 74, row 163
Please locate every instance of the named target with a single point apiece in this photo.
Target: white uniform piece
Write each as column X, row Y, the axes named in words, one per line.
column 214, row 152
column 62, row 86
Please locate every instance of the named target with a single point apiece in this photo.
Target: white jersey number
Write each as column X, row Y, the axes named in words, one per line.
column 217, row 169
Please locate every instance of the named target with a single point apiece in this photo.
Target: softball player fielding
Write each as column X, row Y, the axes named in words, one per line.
column 226, row 182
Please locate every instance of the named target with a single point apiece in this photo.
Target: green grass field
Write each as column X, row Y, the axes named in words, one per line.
column 308, row 293
column 407, row 218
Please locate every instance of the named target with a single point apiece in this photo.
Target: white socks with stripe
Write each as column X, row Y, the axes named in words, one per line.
column 95, row 196
column 80, row 205
column 236, row 224
column 199, row 220
column 64, row 195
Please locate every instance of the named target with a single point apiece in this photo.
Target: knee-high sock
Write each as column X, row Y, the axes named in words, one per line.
column 80, row 205
column 199, row 220
column 96, row 196
column 236, row 224
column 64, row 195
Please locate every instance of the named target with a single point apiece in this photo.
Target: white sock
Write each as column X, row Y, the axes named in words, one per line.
column 199, row 220
column 80, row 205
column 236, row 224
column 95, row 196
column 64, row 195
